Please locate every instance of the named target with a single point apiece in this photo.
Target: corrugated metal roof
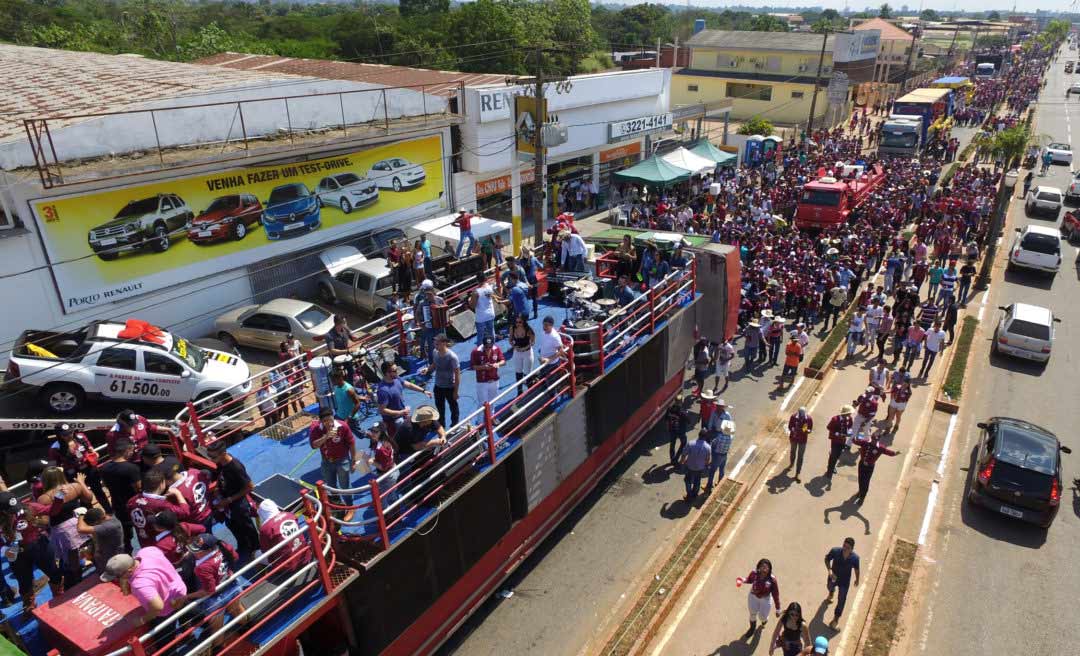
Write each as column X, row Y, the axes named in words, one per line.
column 443, row 83
column 889, row 32
column 42, row 82
column 763, row 41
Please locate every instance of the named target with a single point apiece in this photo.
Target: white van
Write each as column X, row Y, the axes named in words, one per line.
column 1025, row 331
column 1037, row 248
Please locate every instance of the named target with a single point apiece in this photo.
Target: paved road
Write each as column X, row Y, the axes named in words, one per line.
column 1001, row 587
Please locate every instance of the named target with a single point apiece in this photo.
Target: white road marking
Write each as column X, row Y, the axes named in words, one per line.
column 945, row 446
column 999, row 241
column 703, row 578
column 791, row 394
column 742, row 461
column 986, row 295
column 982, row 309
column 931, row 501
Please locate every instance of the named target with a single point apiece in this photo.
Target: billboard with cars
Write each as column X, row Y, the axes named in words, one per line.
column 111, row 245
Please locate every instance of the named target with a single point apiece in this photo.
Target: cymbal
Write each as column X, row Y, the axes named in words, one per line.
column 605, row 302
column 587, row 288
column 572, row 284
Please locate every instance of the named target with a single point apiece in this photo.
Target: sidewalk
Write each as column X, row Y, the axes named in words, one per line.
column 794, row 525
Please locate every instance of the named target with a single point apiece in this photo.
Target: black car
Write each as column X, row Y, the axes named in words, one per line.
column 1018, row 470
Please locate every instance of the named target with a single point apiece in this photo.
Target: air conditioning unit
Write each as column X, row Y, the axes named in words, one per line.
column 802, row 68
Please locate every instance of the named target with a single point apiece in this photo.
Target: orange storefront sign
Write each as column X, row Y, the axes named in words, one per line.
column 501, row 184
column 620, row 152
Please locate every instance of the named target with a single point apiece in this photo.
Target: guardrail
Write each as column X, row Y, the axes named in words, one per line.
column 173, row 633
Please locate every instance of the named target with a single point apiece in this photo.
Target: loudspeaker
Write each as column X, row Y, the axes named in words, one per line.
column 462, row 326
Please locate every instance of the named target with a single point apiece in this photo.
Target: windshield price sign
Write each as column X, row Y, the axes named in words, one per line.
column 637, row 126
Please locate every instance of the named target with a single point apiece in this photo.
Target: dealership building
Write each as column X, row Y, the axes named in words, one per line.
column 172, row 192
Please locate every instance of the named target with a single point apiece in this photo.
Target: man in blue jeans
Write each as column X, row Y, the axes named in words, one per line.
column 464, row 225
column 695, row 458
column 840, row 562
column 337, row 445
column 720, row 445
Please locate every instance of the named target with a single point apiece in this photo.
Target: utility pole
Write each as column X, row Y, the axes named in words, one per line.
column 817, row 81
column 910, row 55
column 539, row 167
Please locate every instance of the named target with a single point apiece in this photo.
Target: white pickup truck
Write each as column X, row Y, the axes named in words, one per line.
column 129, row 362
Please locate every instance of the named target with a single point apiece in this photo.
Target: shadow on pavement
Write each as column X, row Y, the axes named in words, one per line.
column 780, row 483
column 680, row 508
column 848, row 509
column 1029, row 279
column 993, row 525
column 816, row 485
column 1076, row 497
column 741, row 647
column 1016, row 365
column 658, row 474
column 817, row 625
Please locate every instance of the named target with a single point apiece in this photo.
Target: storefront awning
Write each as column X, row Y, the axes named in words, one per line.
column 684, row 159
column 711, row 152
column 653, row 171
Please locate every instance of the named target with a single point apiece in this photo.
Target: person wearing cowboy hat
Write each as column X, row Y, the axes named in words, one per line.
column 839, row 428
column 720, row 444
column 775, row 337
column 423, row 432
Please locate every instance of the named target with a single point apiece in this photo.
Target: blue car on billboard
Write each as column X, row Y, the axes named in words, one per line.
column 291, row 210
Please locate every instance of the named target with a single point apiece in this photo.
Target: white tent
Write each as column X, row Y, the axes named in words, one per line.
column 684, row 159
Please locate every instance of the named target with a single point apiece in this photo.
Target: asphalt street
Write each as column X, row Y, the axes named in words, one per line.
column 1000, row 587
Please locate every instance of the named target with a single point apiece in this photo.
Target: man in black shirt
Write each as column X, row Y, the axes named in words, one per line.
column 233, row 487
column 967, row 272
column 122, row 478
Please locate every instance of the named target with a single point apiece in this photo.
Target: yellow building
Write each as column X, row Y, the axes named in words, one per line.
column 764, row 74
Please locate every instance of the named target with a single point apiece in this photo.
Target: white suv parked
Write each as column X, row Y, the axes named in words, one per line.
column 1043, row 199
column 1037, row 248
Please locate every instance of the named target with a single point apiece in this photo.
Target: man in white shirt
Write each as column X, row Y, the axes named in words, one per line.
column 935, row 341
column 549, row 342
column 482, row 301
column 572, row 254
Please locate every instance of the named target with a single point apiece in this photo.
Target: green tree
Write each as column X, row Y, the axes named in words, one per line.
column 756, row 125
column 885, row 11
column 767, row 23
column 497, row 28
column 929, row 15
column 993, row 16
column 423, row 7
column 831, row 15
column 1010, row 144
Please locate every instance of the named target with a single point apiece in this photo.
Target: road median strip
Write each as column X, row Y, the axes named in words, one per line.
column 953, row 386
column 878, row 636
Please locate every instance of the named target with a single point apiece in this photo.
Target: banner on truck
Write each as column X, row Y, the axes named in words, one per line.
column 112, row 245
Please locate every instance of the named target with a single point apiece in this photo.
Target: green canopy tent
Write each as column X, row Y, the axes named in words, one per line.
column 654, row 172
column 709, row 151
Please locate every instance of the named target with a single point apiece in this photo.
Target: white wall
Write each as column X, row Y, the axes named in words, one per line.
column 586, row 109
column 131, row 132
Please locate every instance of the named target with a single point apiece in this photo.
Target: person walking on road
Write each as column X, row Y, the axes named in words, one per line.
column 791, row 632
column 935, row 342
column 696, row 459
column 866, row 409
column 870, row 449
column 899, row 393
column 839, row 430
column 724, row 354
column 793, row 355
column 840, row 564
column 720, row 443
column 678, row 423
column 762, row 586
column 800, row 425
column 753, row 343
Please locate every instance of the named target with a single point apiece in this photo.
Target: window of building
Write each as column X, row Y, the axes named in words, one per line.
column 772, row 63
column 796, row 94
column 691, row 87
column 724, row 61
column 742, row 90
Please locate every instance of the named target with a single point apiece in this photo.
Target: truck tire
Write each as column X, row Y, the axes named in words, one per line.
column 326, row 295
column 63, row 398
column 160, row 241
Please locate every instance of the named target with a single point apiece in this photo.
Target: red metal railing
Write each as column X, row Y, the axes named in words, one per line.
column 295, row 575
column 474, row 442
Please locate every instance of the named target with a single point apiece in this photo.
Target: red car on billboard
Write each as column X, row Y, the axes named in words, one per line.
column 227, row 217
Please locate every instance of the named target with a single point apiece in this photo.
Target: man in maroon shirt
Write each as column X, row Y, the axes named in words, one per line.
column 214, row 560
column 866, row 405
column 153, row 499
column 135, row 427
column 799, row 426
column 72, row 452
column 277, row 526
column 194, row 486
column 23, row 530
column 337, row 445
column 485, row 361
column 870, row 449
column 464, row 225
column 839, row 429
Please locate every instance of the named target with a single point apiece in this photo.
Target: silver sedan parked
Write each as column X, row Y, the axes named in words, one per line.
column 265, row 326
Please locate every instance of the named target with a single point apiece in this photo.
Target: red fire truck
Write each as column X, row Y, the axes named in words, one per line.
column 829, row 200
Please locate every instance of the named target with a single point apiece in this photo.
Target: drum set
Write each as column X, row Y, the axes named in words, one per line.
column 583, row 309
